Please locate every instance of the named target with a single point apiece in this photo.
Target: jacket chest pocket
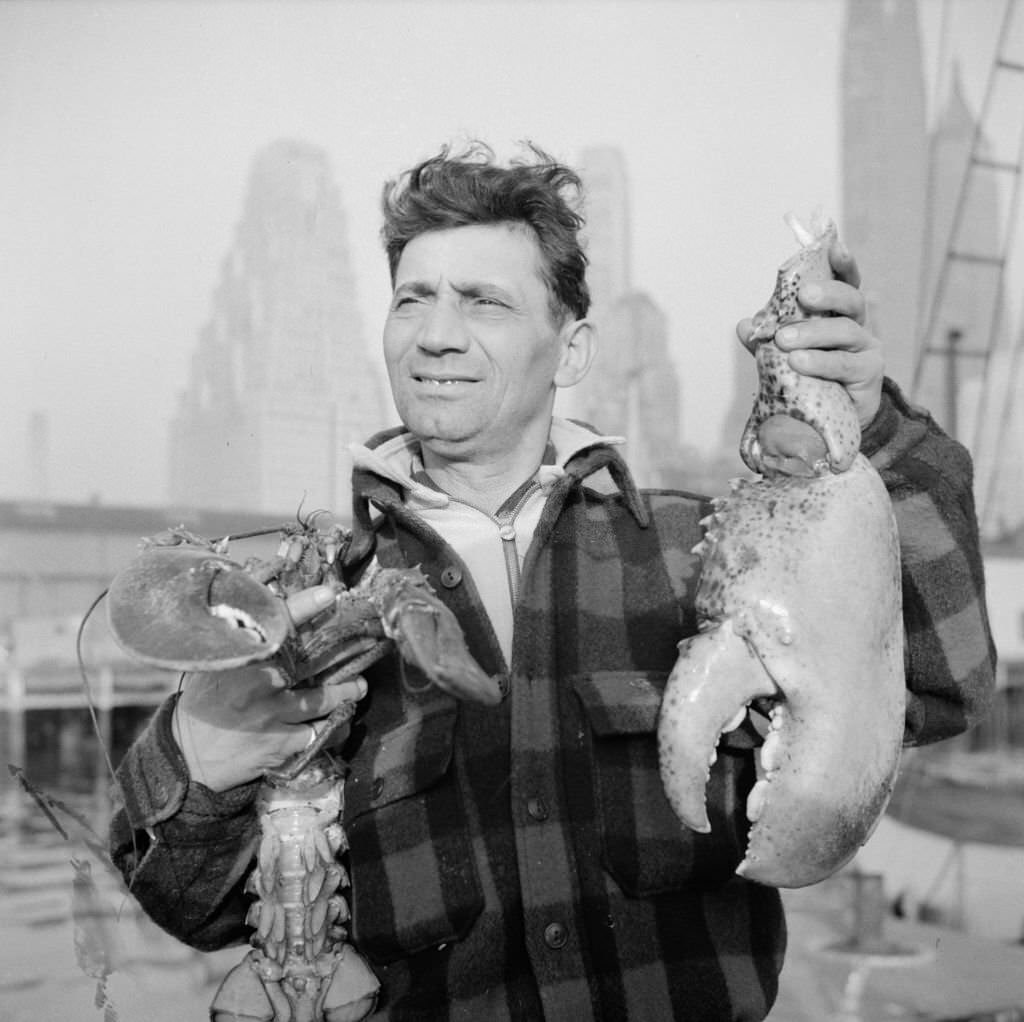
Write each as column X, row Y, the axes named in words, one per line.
column 645, row 846
column 414, row 882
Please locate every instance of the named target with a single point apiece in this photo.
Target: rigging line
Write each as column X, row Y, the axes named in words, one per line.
column 955, row 226
column 1013, row 376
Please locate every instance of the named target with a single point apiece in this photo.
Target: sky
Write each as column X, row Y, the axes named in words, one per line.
column 127, row 132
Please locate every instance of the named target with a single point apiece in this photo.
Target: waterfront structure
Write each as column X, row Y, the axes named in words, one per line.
column 55, row 561
column 281, row 379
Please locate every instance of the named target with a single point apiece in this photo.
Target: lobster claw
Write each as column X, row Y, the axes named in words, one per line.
column 429, row 636
column 187, row 608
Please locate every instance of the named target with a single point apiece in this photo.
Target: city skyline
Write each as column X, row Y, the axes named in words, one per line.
column 120, row 202
column 280, row 377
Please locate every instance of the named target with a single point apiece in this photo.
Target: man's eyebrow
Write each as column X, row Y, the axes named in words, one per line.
column 469, row 289
column 419, row 288
column 481, row 289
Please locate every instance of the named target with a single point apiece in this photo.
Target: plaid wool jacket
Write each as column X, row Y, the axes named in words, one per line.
column 521, row 862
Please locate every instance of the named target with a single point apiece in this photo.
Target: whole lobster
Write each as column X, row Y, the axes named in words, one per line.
column 183, row 604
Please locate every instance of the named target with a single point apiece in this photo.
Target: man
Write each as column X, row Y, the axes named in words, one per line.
column 521, row 861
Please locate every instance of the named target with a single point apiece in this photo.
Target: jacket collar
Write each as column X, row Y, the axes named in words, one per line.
column 384, row 469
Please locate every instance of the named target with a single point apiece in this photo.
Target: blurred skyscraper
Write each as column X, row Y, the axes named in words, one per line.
column 884, row 168
column 901, row 186
column 924, row 212
column 633, row 388
column 280, row 379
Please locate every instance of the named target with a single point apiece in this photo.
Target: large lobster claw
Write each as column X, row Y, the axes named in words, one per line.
column 188, row 608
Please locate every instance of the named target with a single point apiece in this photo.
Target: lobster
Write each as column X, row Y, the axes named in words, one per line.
column 184, row 604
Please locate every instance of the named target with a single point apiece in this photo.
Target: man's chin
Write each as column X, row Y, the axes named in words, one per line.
column 448, row 445
column 437, row 434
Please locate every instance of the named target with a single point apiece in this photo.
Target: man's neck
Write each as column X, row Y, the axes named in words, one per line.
column 486, row 485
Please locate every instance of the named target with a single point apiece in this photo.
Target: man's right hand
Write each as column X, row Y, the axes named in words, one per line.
column 233, row 726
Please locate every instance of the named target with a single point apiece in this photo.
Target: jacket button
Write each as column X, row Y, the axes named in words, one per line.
column 504, row 684
column 451, row 577
column 537, row 808
column 555, row 936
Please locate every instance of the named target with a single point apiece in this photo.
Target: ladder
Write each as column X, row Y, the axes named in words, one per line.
column 1002, row 111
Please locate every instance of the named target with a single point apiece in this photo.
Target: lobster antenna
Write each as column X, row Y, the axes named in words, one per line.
column 87, row 686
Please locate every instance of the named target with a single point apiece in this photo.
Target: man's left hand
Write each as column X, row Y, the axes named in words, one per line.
column 834, row 344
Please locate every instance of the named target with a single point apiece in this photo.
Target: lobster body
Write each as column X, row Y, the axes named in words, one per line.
column 300, row 968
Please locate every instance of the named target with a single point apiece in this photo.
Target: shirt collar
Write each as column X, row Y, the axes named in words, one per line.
column 399, row 459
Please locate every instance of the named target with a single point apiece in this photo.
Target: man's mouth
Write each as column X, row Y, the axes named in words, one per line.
column 442, row 381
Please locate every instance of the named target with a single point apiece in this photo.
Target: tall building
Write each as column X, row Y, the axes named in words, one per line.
column 923, row 212
column 607, row 235
column 884, row 166
column 633, row 388
column 280, row 379
column 904, row 208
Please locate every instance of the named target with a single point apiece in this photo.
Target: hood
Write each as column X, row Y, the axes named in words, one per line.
column 395, row 455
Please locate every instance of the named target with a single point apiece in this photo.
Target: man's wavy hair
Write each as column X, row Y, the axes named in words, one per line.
column 470, row 188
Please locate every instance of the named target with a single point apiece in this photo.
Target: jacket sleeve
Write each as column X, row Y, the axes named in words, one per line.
column 950, row 656
column 183, row 850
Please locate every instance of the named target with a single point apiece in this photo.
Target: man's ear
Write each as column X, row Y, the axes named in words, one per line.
column 578, row 341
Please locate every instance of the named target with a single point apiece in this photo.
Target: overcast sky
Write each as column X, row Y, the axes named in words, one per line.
column 127, row 132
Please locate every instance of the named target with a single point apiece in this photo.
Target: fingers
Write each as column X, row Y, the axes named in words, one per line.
column 299, row 706
column 833, row 298
column 844, row 266
column 829, row 333
column 306, row 604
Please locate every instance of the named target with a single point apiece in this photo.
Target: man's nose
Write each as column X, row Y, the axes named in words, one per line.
column 443, row 328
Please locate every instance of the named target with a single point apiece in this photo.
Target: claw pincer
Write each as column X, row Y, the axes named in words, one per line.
column 183, row 604
column 801, row 616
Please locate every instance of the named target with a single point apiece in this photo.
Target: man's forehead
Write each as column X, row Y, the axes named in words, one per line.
column 475, row 253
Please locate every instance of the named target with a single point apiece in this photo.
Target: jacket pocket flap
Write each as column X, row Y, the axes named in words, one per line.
column 621, row 702
column 404, row 760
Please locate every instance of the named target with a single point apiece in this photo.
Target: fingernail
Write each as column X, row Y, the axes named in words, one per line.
column 787, row 335
column 812, row 293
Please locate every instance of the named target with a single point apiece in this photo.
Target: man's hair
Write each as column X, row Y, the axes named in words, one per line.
column 470, row 188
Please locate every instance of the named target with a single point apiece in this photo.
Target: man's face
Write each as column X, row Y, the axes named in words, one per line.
column 470, row 343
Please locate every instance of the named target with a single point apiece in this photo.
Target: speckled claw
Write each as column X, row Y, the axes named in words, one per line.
column 799, row 425
column 800, row 609
column 188, row 608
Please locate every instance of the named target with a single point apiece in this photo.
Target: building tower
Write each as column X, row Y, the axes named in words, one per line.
column 280, row 378
column 633, row 389
column 884, row 163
